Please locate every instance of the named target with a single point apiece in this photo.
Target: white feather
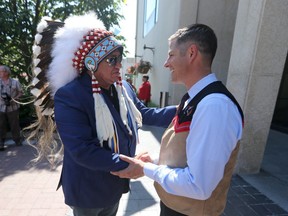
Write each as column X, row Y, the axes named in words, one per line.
column 123, row 108
column 38, row 38
column 104, row 120
column 37, row 70
column 135, row 112
column 47, row 112
column 36, row 61
column 36, row 92
column 35, row 81
column 36, row 50
column 38, row 102
column 43, row 24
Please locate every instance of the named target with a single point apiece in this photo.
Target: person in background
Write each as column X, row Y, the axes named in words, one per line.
column 130, row 82
column 144, row 92
column 10, row 90
column 199, row 149
column 97, row 114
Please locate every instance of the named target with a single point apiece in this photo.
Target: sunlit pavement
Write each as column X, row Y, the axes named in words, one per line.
column 27, row 190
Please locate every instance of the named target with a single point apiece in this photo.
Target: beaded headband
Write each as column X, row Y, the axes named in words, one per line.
column 100, row 51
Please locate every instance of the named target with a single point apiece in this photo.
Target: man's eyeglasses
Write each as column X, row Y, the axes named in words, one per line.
column 112, row 61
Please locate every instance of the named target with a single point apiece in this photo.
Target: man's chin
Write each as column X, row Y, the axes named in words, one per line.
column 174, row 79
column 115, row 79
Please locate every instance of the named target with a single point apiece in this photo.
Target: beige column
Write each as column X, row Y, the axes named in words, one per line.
column 258, row 55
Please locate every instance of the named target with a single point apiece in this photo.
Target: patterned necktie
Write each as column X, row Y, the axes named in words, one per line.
column 183, row 100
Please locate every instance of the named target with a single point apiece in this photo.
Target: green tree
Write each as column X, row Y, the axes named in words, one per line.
column 19, row 19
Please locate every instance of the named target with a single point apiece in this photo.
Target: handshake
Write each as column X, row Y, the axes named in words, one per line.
column 136, row 166
column 7, row 98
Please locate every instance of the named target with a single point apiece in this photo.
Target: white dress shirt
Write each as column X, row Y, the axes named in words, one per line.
column 214, row 132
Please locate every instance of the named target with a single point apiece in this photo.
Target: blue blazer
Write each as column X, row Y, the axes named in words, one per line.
column 86, row 178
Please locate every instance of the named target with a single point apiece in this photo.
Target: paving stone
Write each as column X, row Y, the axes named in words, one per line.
column 31, row 190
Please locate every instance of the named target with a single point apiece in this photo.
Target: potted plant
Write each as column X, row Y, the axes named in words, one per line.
column 143, row 67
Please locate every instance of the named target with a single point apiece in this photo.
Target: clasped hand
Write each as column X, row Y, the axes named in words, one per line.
column 136, row 166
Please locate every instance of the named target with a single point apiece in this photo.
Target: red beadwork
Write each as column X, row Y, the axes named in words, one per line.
column 95, row 86
column 92, row 38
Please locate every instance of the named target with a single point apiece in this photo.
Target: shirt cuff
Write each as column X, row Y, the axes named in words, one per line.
column 149, row 169
column 155, row 157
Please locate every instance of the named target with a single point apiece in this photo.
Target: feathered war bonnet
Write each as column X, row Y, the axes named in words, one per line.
column 61, row 52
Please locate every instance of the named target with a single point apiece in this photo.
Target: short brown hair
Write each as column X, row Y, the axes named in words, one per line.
column 202, row 35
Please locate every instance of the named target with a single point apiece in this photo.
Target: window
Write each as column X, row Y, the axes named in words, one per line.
column 150, row 15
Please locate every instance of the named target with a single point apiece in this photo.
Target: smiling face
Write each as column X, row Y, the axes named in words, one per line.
column 177, row 62
column 108, row 73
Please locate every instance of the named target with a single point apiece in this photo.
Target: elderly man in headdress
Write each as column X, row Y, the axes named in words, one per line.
column 96, row 114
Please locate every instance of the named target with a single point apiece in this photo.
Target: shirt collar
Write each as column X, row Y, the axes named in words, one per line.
column 197, row 87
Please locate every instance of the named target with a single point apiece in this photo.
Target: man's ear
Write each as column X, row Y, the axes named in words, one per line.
column 193, row 51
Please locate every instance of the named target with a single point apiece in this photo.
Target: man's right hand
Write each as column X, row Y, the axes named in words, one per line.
column 133, row 171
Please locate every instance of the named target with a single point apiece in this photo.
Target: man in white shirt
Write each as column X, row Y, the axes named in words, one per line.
column 199, row 148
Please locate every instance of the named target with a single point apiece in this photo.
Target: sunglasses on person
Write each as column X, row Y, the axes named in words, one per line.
column 112, row 61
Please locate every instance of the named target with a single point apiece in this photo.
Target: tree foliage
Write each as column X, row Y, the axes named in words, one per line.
column 19, row 19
